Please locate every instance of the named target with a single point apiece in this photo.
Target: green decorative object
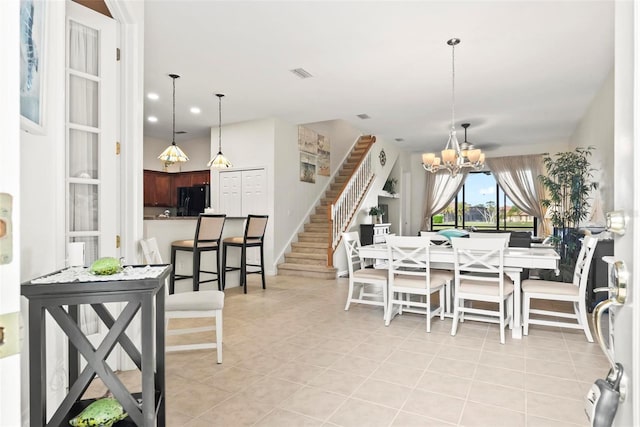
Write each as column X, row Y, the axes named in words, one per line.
column 106, row 266
column 101, row 413
column 568, row 182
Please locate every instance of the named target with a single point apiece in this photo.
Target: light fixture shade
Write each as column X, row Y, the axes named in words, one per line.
column 219, row 162
column 173, row 154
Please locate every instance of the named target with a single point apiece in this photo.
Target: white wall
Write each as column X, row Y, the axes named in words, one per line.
column 42, row 204
column 197, row 149
column 596, row 129
column 10, row 387
column 249, row 145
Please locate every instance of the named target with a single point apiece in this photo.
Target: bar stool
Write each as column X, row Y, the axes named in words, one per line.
column 207, row 238
column 253, row 237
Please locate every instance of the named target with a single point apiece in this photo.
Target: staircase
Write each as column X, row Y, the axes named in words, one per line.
column 309, row 256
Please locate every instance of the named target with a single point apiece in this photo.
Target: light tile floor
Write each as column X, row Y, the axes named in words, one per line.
column 294, row 357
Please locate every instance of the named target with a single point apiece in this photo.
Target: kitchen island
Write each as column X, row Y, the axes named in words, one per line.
column 167, row 230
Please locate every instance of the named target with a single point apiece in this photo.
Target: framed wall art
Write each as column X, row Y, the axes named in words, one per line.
column 32, row 65
column 307, row 167
column 324, row 156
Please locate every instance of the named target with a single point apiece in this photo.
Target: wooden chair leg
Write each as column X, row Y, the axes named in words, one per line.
column 224, row 265
column 243, row 268
column 264, row 286
column 196, row 270
column 218, row 276
column 172, row 276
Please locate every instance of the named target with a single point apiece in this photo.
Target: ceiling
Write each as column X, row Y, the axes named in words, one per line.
column 526, row 71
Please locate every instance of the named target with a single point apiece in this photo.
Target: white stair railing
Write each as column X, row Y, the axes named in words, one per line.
column 341, row 211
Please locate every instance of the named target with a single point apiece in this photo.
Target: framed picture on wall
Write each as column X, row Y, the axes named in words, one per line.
column 324, row 156
column 32, row 65
column 307, row 167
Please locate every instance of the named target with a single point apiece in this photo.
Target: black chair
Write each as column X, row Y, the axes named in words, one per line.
column 253, row 238
column 207, row 238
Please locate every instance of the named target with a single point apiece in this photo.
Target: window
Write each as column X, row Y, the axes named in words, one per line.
column 483, row 205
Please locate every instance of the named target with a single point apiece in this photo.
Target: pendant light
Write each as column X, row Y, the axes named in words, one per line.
column 173, row 153
column 219, row 161
column 453, row 157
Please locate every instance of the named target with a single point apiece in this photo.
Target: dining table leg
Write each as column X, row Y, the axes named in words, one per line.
column 514, row 275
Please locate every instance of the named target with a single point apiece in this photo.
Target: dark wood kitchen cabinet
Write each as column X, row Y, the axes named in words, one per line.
column 158, row 188
column 161, row 188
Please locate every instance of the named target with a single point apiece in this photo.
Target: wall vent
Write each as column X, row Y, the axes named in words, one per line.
column 301, row 72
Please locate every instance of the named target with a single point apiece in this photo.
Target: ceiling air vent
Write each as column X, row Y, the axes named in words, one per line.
column 399, row 139
column 364, row 116
column 301, row 72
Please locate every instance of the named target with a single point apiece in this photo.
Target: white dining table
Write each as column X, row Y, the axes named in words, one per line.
column 515, row 260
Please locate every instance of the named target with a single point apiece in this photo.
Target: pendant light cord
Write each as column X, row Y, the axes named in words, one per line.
column 173, row 133
column 219, row 122
column 453, row 85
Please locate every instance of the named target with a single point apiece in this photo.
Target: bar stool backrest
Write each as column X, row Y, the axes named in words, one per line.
column 256, row 226
column 209, row 229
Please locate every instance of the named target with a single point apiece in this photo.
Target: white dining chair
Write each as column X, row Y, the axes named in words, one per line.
column 479, row 276
column 557, row 291
column 410, row 274
column 436, row 238
column 190, row 304
column 480, row 235
column 366, row 285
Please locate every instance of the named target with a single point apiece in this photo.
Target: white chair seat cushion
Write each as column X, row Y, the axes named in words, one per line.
column 485, row 288
column 438, row 279
column 239, row 239
column 195, row 301
column 371, row 273
column 441, row 276
column 549, row 287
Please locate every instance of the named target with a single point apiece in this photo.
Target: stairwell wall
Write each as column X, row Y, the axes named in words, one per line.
column 293, row 198
column 273, row 144
column 392, row 152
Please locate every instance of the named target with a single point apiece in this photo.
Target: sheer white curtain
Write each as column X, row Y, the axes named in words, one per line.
column 518, row 178
column 83, row 146
column 441, row 189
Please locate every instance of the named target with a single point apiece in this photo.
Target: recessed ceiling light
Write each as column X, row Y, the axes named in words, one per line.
column 153, row 96
column 364, row 116
column 399, row 139
column 195, row 110
column 152, row 119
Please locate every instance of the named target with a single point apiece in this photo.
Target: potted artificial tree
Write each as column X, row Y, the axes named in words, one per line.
column 568, row 183
column 376, row 215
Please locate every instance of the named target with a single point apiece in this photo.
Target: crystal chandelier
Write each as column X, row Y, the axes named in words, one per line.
column 454, row 157
column 173, row 153
column 219, row 161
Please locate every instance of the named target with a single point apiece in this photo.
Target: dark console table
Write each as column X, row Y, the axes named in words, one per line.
column 142, row 289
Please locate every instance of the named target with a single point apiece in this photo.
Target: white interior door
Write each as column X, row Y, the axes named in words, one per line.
column 91, row 134
column 230, row 202
column 254, row 194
